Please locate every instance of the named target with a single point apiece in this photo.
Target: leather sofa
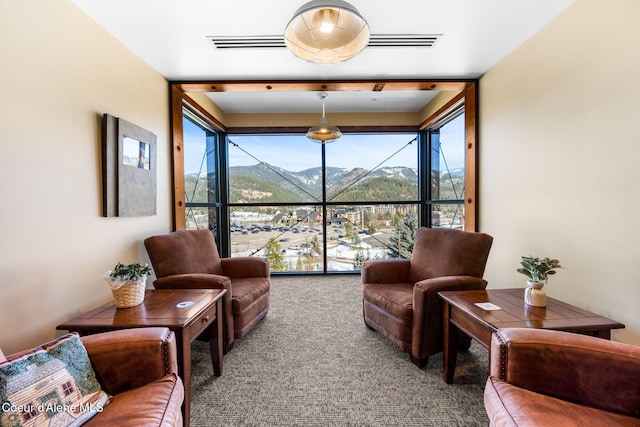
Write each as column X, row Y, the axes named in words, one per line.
column 138, row 368
column 550, row 378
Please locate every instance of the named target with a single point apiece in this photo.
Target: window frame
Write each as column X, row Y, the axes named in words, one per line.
column 467, row 98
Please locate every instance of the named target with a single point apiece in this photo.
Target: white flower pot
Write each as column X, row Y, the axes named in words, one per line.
column 534, row 295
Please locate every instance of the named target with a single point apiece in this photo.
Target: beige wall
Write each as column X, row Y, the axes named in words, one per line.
column 560, row 159
column 60, row 72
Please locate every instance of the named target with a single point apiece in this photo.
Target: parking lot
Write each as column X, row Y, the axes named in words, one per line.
column 296, row 242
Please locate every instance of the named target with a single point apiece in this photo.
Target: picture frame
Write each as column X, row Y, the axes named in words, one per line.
column 128, row 169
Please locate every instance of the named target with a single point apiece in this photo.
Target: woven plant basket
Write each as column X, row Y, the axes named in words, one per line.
column 129, row 293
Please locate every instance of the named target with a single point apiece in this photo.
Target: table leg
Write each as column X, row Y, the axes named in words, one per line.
column 215, row 342
column 184, row 370
column 450, row 345
column 604, row 334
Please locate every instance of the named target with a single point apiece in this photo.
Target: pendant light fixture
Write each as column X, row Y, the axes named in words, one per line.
column 326, row 32
column 324, row 132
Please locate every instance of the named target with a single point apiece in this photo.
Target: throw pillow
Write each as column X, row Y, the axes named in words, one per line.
column 53, row 384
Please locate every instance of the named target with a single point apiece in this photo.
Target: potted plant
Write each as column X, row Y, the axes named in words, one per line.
column 127, row 283
column 537, row 270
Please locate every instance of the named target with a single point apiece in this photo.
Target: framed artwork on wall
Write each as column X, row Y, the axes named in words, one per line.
column 128, row 169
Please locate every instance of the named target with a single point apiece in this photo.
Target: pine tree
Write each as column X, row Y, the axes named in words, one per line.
column 273, row 253
column 360, row 258
column 314, row 245
column 401, row 242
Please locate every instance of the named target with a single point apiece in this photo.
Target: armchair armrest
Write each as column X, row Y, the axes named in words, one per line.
column 577, row 368
column 428, row 307
column 426, row 300
column 448, row 283
column 130, row 358
column 193, row 281
column 247, row 266
column 386, row 271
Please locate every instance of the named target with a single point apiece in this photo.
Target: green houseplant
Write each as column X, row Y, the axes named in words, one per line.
column 129, row 271
column 127, row 283
column 537, row 270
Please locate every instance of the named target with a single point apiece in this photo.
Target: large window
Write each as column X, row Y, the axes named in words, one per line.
column 447, row 165
column 309, row 207
column 201, row 195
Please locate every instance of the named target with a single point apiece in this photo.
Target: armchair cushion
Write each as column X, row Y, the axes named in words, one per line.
column 149, row 405
column 512, row 406
column 448, row 252
column 394, row 298
column 51, row 383
column 183, row 252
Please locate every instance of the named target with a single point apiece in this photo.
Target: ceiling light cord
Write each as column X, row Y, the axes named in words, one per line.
column 324, row 133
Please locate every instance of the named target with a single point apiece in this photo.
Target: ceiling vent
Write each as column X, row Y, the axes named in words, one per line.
column 247, row 42
column 270, row 42
column 403, row 40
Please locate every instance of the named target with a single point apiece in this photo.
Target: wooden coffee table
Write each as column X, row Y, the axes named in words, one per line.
column 187, row 312
column 462, row 313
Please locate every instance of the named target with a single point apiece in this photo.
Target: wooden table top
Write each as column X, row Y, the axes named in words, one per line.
column 159, row 308
column 514, row 313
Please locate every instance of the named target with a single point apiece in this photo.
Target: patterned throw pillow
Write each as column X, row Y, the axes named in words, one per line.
column 52, row 385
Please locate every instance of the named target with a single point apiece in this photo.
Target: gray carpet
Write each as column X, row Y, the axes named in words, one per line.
column 312, row 362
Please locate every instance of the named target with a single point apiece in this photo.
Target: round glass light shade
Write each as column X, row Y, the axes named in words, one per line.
column 326, row 32
column 324, row 133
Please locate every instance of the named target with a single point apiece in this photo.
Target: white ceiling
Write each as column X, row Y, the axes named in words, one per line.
column 171, row 36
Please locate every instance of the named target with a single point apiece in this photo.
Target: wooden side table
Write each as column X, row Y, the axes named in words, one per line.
column 187, row 312
column 480, row 313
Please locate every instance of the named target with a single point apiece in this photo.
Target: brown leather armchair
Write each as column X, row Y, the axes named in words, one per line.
column 190, row 259
column 400, row 296
column 138, row 367
column 542, row 377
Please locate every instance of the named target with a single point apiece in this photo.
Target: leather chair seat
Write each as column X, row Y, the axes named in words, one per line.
column 394, row 298
column 515, row 406
column 150, row 405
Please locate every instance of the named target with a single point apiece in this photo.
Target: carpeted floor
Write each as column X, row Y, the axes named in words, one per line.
column 312, row 362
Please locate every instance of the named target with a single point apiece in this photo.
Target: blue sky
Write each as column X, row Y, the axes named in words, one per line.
column 296, row 153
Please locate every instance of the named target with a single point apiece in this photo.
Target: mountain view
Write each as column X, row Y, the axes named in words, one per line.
column 263, row 183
